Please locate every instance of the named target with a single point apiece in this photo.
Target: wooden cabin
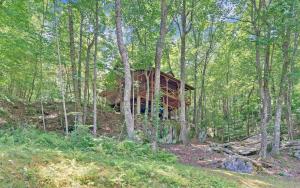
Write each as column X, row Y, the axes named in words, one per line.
column 170, row 88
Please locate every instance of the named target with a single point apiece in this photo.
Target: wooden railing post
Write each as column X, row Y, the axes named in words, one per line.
column 138, row 99
column 166, row 103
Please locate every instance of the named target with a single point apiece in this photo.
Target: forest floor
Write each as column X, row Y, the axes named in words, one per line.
column 31, row 158
column 202, row 155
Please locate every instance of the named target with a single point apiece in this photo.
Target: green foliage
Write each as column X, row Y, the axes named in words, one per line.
column 126, row 163
column 32, row 158
column 81, row 137
column 2, row 112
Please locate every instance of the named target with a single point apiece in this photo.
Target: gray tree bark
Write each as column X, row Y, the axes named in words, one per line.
column 289, row 91
column 72, row 58
column 256, row 11
column 147, row 102
column 158, row 57
column 182, row 117
column 86, row 80
column 60, row 71
column 80, row 55
column 95, row 71
column 282, row 87
column 124, row 57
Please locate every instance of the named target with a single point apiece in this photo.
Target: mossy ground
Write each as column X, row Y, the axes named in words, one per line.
column 32, row 158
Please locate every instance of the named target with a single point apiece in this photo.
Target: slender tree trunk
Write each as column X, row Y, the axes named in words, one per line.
column 195, row 94
column 158, row 57
column 282, row 87
column 201, row 100
column 264, row 110
column 169, row 61
column 80, row 55
column 72, row 58
column 133, row 94
column 60, row 72
column 147, row 100
column 33, row 81
column 86, row 81
column 255, row 14
column 264, row 103
column 182, row 118
column 124, row 57
column 267, row 77
column 95, row 71
column 41, row 65
column 202, row 93
column 288, row 112
column 200, row 110
column 288, row 93
column 196, row 37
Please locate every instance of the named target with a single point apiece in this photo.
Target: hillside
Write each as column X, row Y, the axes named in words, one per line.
column 31, row 158
column 34, row 158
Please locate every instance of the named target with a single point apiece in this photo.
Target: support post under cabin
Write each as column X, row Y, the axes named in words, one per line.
column 166, row 102
column 133, row 95
column 138, row 99
column 152, row 93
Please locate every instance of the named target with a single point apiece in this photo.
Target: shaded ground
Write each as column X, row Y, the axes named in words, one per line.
column 111, row 124
column 31, row 158
column 203, row 156
column 196, row 155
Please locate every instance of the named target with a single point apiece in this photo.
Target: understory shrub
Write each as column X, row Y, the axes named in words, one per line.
column 82, row 138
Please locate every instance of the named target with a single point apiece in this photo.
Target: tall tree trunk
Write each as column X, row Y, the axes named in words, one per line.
column 86, row 81
column 200, row 108
column 72, row 58
column 158, row 57
column 41, row 65
column 60, row 71
column 182, row 118
column 264, row 103
column 33, row 81
column 80, row 55
column 267, row 77
column 195, row 94
column 196, row 37
column 255, row 14
column 169, row 60
column 288, row 112
column 147, row 101
column 200, row 111
column 95, row 71
column 282, row 87
column 289, row 91
column 124, row 57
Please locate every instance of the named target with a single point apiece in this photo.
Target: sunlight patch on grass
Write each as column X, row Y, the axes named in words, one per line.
column 69, row 173
column 253, row 183
column 247, row 180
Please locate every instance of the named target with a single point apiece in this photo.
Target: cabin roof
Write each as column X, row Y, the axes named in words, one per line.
column 187, row 87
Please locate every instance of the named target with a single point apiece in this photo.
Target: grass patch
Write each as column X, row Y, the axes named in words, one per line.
column 31, row 158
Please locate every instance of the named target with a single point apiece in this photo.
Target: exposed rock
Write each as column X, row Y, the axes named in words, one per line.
column 247, row 147
column 293, row 147
column 2, row 122
column 297, row 154
column 285, row 174
column 237, row 164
